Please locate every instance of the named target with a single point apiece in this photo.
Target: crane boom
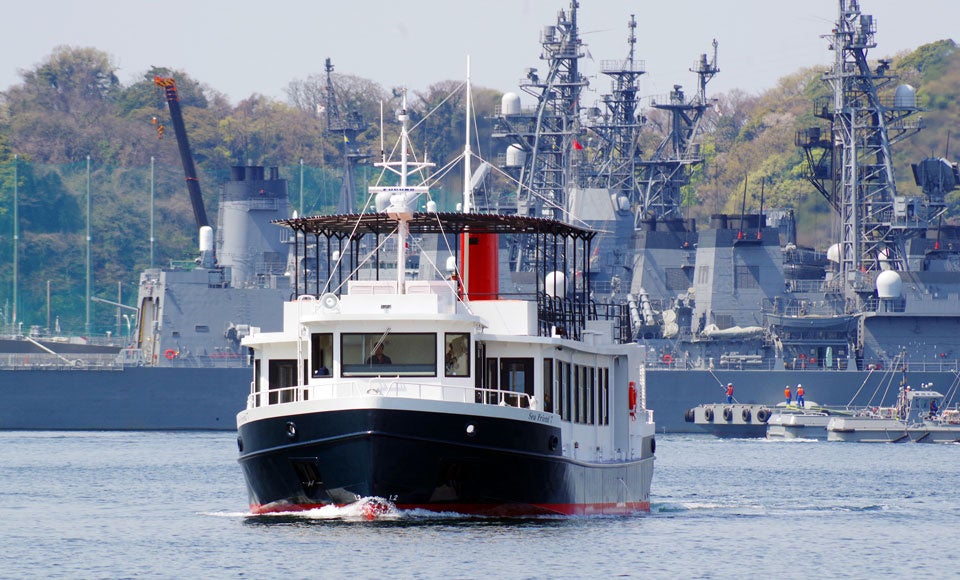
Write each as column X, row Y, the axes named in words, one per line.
column 176, row 117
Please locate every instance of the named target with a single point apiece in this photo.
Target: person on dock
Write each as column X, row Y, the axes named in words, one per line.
column 799, row 395
column 787, row 394
column 729, row 393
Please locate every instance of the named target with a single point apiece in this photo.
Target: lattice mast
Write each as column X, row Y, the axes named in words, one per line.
column 876, row 221
column 551, row 136
column 347, row 127
column 668, row 169
column 615, row 150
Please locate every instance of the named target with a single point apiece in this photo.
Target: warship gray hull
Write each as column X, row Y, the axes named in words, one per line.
column 131, row 398
column 183, row 367
column 149, row 398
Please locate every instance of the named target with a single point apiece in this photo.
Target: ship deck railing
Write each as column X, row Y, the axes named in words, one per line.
column 769, row 364
column 68, row 362
column 392, row 387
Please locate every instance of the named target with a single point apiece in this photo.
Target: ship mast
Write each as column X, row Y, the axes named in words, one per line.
column 401, row 198
column 549, row 134
column 616, row 153
column 668, row 169
column 876, row 221
column 348, row 127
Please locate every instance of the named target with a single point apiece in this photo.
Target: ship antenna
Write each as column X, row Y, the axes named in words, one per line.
column 743, row 208
column 763, row 181
column 383, row 146
column 467, row 153
column 467, row 193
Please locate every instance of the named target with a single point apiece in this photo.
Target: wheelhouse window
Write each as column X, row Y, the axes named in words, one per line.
column 373, row 354
column 321, row 354
column 456, row 358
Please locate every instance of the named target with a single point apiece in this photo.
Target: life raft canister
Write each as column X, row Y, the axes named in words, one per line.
column 170, row 354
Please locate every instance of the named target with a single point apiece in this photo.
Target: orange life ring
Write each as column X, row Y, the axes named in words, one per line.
column 170, row 354
column 668, row 359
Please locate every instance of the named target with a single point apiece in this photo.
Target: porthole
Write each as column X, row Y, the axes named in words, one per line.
column 291, row 430
column 471, row 430
column 553, row 443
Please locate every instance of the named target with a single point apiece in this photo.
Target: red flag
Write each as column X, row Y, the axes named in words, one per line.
column 577, row 145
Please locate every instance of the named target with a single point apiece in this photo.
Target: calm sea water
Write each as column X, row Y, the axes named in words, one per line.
column 173, row 505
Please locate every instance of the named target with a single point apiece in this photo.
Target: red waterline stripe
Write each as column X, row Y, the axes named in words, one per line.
column 508, row 510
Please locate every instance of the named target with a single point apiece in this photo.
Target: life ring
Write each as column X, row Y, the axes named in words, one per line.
column 170, row 354
column 667, row 359
column 745, row 415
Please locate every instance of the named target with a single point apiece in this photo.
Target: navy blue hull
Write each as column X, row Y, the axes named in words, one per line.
column 431, row 461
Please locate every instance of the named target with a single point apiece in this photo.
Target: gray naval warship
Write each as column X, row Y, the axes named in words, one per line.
column 734, row 301
column 740, row 301
column 185, row 368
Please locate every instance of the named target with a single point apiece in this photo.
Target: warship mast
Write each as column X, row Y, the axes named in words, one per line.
column 667, row 170
column 616, row 153
column 876, row 221
column 549, row 134
column 348, row 127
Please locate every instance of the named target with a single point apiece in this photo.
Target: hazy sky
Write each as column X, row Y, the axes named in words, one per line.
column 242, row 47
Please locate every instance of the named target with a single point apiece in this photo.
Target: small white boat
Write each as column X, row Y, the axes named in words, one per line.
column 916, row 417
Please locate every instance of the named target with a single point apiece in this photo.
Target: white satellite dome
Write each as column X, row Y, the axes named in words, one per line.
column 889, row 285
column 833, row 253
column 510, row 104
column 516, row 156
column 905, row 96
column 555, row 285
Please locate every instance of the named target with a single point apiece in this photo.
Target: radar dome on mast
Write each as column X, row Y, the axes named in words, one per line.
column 889, row 285
column 905, row 97
column 516, row 156
column 833, row 253
column 555, row 285
column 510, row 104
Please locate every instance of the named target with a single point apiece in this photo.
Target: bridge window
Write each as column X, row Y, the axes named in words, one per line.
column 321, row 354
column 456, row 354
column 374, row 354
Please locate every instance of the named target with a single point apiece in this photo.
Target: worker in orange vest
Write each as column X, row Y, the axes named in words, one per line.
column 729, row 392
column 799, row 395
column 786, row 393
